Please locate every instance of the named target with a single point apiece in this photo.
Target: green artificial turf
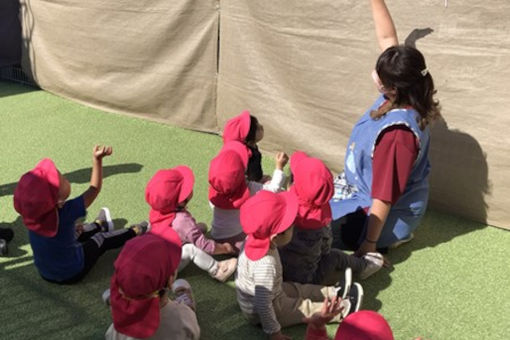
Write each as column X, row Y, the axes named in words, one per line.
column 451, row 282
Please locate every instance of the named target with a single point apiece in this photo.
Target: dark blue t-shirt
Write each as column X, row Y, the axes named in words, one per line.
column 60, row 257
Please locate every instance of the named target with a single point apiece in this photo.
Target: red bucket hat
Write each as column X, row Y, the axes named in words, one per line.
column 165, row 190
column 263, row 215
column 313, row 185
column 142, row 269
column 237, row 128
column 227, row 179
column 364, row 325
column 36, row 198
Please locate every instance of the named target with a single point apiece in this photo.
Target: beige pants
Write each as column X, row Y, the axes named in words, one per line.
column 303, row 300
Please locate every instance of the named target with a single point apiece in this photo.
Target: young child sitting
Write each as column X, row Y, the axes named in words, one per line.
column 40, row 198
column 309, row 258
column 267, row 219
column 168, row 192
column 229, row 188
column 246, row 129
column 144, row 271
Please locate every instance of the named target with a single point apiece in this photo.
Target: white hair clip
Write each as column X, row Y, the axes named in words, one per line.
column 424, row 72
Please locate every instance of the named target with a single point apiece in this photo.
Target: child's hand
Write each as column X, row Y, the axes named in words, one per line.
column 330, row 308
column 224, row 248
column 279, row 336
column 102, row 151
column 79, row 229
column 281, row 160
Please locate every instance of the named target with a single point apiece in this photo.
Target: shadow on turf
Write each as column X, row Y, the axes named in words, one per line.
column 8, row 88
column 83, row 175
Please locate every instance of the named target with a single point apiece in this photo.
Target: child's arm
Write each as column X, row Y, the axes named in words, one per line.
column 384, row 27
column 189, row 231
column 96, row 178
column 277, row 181
column 264, row 276
column 378, row 213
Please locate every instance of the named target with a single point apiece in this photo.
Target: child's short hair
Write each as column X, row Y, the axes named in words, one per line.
column 254, row 123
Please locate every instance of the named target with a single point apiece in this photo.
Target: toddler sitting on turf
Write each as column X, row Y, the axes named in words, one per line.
column 308, row 258
column 229, row 188
column 246, row 129
column 168, row 192
column 267, row 219
column 40, row 198
column 144, row 272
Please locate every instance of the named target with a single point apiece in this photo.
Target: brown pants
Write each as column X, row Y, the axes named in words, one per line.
column 299, row 301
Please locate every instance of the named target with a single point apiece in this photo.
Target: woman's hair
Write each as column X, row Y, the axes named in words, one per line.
column 403, row 68
column 250, row 137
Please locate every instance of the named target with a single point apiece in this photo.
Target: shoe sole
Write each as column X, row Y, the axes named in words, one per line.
column 359, row 301
column 366, row 274
column 229, row 273
column 108, row 218
column 347, row 283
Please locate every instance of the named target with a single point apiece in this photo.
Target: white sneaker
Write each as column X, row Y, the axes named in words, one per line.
column 225, row 269
column 106, row 297
column 401, row 242
column 373, row 262
column 183, row 293
column 104, row 219
column 355, row 297
column 343, row 288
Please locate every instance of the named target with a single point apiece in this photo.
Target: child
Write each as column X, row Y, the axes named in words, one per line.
column 144, row 271
column 168, row 192
column 361, row 325
column 267, row 220
column 308, row 258
column 386, row 163
column 40, row 198
column 229, row 189
column 246, row 129
column 6, row 235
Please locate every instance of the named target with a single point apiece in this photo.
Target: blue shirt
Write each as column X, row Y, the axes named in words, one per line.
column 60, row 257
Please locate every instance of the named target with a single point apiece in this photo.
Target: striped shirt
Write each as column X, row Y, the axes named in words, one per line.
column 258, row 283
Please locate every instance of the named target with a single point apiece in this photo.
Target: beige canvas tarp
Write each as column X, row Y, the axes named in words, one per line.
column 302, row 67
column 155, row 58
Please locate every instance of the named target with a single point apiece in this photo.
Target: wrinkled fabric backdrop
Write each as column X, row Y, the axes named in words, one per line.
column 303, row 68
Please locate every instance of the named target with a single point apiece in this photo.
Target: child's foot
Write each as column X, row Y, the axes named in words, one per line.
column 106, row 297
column 225, row 269
column 6, row 234
column 373, row 262
column 355, row 297
column 401, row 242
column 343, row 287
column 104, row 220
column 183, row 293
column 141, row 228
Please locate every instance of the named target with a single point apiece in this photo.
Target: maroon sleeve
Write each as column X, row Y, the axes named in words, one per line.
column 395, row 153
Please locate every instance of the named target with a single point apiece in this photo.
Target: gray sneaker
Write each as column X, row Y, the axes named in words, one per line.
column 343, row 287
column 183, row 293
column 373, row 262
column 141, row 228
column 104, row 220
column 106, row 297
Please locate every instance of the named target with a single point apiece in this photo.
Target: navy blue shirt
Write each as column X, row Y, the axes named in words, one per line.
column 60, row 257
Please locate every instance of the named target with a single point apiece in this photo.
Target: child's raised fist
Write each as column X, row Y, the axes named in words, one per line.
column 101, row 151
column 281, row 160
